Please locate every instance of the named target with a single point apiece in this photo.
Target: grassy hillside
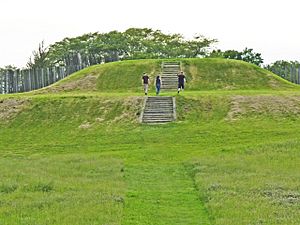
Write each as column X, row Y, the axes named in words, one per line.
column 202, row 74
column 77, row 157
column 224, row 74
column 111, row 77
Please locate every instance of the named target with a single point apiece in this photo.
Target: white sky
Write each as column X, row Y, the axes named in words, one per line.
column 268, row 26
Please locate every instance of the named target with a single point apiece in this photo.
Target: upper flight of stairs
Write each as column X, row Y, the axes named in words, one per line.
column 159, row 110
column 169, row 75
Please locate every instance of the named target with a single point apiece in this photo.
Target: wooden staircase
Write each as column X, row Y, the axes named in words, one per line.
column 169, row 75
column 159, row 110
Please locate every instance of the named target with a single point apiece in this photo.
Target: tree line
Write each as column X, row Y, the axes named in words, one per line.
column 289, row 70
column 136, row 43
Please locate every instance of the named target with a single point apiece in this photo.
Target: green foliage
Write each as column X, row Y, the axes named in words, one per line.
column 134, row 43
column 199, row 46
column 10, row 68
column 282, row 67
column 252, row 57
column 246, row 55
column 40, row 57
column 283, row 63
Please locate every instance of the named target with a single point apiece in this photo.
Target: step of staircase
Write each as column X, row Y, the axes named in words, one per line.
column 169, row 75
column 158, row 110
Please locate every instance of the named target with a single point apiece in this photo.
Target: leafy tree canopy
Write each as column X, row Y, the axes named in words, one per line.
column 282, row 67
column 8, row 68
column 246, row 55
column 134, row 43
column 282, row 64
column 39, row 59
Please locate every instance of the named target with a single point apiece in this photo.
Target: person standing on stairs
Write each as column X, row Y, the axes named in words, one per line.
column 157, row 84
column 146, row 81
column 181, row 81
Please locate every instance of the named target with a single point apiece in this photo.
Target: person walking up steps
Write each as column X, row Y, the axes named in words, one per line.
column 157, row 84
column 146, row 80
column 181, row 81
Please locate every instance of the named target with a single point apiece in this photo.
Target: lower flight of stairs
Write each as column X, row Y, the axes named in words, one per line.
column 159, row 110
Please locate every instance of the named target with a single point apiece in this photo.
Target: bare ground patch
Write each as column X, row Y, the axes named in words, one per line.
column 85, row 125
column 274, row 83
column 132, row 109
column 9, row 108
column 129, row 111
column 86, row 83
column 282, row 197
column 271, row 105
column 194, row 73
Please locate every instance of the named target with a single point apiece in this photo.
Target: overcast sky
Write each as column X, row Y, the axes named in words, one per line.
column 269, row 27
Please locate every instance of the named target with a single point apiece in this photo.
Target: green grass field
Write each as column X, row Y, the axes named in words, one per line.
column 75, row 153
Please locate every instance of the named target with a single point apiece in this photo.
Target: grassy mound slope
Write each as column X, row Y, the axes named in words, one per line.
column 83, row 158
column 224, row 74
column 111, row 77
column 202, row 74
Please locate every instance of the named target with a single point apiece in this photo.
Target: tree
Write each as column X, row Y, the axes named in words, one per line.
column 8, row 67
column 246, row 55
column 233, row 54
column 216, row 54
column 39, row 59
column 282, row 67
column 134, row 43
column 282, row 63
column 199, row 46
column 249, row 56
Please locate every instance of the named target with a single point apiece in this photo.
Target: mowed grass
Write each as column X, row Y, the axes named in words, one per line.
column 203, row 169
column 232, row 157
column 201, row 74
column 64, row 189
column 44, row 131
column 256, row 186
column 224, row 74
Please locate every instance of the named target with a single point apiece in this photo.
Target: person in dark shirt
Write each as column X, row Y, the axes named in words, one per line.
column 181, row 81
column 146, row 80
column 157, row 84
